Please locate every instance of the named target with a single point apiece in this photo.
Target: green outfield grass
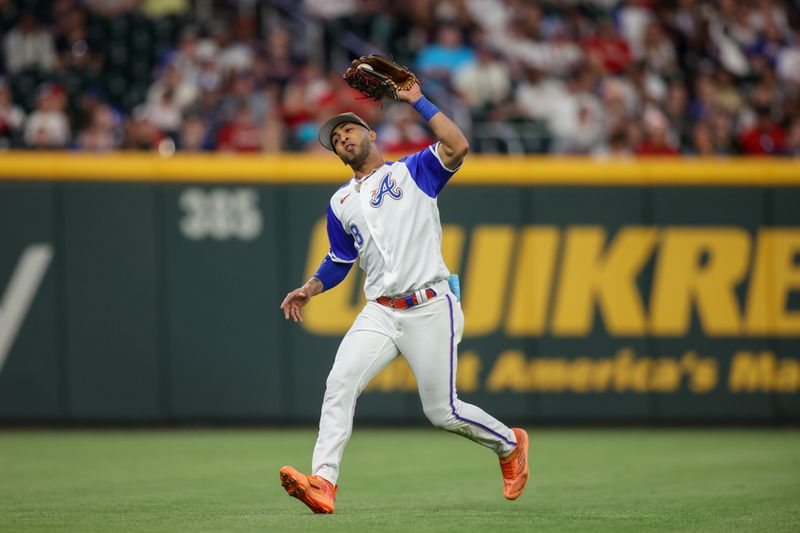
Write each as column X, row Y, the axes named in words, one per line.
column 393, row 480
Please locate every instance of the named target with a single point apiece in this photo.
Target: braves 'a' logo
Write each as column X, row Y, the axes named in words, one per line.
column 388, row 186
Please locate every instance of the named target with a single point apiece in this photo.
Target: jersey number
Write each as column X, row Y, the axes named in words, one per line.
column 356, row 235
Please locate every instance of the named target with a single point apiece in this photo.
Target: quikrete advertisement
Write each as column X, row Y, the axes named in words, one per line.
column 703, row 283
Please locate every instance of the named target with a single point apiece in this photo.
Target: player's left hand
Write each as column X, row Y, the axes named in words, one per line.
column 410, row 96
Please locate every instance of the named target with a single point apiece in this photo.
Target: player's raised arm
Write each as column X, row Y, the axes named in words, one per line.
column 378, row 77
column 454, row 145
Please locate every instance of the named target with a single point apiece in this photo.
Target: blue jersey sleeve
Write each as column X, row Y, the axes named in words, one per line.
column 330, row 273
column 343, row 248
column 428, row 171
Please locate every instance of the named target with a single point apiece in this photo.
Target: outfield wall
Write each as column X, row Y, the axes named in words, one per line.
column 147, row 289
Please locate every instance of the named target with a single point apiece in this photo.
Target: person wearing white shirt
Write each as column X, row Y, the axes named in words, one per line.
column 28, row 46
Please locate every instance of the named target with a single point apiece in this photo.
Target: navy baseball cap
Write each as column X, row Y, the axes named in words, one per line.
column 326, row 130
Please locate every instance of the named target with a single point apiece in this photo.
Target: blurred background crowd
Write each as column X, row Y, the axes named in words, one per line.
column 603, row 77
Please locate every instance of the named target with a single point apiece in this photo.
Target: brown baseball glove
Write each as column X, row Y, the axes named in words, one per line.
column 378, row 77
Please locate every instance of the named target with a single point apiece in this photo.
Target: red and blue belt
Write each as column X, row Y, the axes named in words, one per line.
column 407, row 300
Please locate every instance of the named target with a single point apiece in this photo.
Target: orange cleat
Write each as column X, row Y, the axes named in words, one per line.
column 515, row 467
column 317, row 493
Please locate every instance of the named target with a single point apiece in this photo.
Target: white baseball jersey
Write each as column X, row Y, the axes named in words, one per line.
column 390, row 222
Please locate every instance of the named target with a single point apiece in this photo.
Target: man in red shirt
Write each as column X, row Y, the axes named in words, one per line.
column 608, row 49
column 766, row 137
column 241, row 134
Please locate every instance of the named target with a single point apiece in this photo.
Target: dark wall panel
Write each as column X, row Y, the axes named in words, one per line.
column 30, row 378
column 112, row 313
column 222, row 262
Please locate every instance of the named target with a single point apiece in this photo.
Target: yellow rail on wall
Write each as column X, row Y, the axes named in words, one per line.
column 324, row 168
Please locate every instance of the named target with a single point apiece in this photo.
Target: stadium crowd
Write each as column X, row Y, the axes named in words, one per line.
column 603, row 77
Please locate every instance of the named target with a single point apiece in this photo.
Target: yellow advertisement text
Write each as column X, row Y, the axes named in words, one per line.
column 641, row 281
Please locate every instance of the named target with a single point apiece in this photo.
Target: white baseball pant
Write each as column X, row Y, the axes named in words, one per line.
column 427, row 335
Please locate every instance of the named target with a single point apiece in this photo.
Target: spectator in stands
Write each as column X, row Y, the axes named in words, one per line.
column 656, row 135
column 48, row 126
column 648, row 86
column 727, row 97
column 12, row 118
column 529, row 19
column 71, row 41
column 702, row 141
column 588, row 128
column 207, row 72
column 438, row 62
column 183, row 91
column 736, row 23
column 705, row 98
column 676, row 109
column 562, row 52
column 558, row 54
column 104, row 132
column 484, row 83
column 615, row 116
column 764, row 12
column 402, row 133
column 763, row 96
column 140, row 132
column 86, row 103
column 165, row 113
column 689, row 27
column 302, row 99
column 243, row 91
column 636, row 22
column 685, row 19
column 185, row 57
column 536, row 95
column 730, row 35
column 28, row 46
column 722, row 133
column 194, row 135
column 491, row 16
column 233, row 54
column 765, row 137
column 659, row 52
column 621, row 102
column 607, row 49
column 576, row 118
column 769, row 44
column 241, row 134
column 278, row 54
column 618, row 146
column 788, row 62
column 208, row 108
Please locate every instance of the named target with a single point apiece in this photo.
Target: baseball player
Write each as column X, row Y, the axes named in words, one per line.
column 387, row 218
